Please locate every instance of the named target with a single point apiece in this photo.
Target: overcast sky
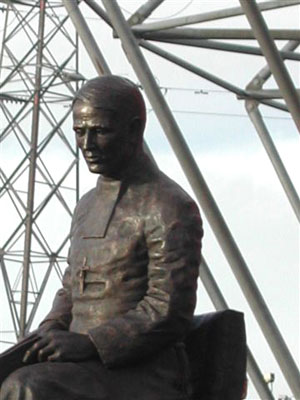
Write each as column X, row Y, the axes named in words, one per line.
column 233, row 162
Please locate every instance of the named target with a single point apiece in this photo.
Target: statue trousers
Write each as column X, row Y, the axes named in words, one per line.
column 163, row 377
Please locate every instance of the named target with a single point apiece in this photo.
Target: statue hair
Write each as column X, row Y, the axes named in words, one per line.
column 112, row 92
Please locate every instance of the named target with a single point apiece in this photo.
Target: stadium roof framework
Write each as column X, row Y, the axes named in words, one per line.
column 36, row 78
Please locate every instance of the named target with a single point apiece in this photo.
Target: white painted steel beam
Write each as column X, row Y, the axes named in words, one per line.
column 144, row 11
column 265, row 137
column 204, row 196
column 216, row 33
column 86, row 36
column 276, row 64
column 211, row 16
column 220, row 303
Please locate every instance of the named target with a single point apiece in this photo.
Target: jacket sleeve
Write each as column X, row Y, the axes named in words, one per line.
column 173, row 235
column 61, row 311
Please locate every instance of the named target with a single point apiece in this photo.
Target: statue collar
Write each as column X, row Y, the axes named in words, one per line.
column 109, row 191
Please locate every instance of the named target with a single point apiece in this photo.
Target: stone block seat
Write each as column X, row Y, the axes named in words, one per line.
column 216, row 348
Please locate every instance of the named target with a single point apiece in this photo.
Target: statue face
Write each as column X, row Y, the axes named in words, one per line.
column 105, row 139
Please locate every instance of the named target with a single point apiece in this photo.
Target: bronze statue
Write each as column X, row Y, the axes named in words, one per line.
column 116, row 328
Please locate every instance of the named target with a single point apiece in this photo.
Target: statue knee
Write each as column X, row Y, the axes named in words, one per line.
column 18, row 385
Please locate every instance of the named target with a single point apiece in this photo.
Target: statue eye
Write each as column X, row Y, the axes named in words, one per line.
column 102, row 131
column 79, row 132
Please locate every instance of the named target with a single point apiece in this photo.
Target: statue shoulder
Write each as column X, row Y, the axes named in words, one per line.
column 170, row 192
column 84, row 201
column 170, row 202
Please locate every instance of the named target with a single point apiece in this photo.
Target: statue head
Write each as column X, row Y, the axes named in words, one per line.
column 109, row 119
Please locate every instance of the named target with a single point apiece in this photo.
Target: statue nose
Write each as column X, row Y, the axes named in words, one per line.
column 88, row 139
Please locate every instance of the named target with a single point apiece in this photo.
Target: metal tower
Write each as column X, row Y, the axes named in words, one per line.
column 38, row 81
column 31, row 90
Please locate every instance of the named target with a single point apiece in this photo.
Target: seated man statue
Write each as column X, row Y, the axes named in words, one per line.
column 116, row 328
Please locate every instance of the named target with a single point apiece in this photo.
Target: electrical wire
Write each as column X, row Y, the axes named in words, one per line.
column 173, row 15
column 195, row 91
column 167, row 17
column 208, row 92
column 219, row 114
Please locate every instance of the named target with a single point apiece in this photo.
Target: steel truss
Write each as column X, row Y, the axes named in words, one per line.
column 135, row 34
column 38, row 82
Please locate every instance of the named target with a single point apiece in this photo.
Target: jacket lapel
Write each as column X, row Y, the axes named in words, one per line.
column 100, row 215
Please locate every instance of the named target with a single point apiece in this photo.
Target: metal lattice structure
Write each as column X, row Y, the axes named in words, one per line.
column 35, row 80
column 37, row 84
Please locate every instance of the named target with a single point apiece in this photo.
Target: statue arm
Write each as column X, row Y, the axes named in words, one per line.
column 60, row 315
column 173, row 238
column 57, row 321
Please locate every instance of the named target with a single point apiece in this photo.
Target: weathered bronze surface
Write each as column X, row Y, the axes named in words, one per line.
column 129, row 292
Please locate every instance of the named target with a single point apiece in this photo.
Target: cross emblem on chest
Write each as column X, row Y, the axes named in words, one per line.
column 82, row 272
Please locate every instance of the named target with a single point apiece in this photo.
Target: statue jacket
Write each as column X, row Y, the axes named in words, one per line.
column 133, row 265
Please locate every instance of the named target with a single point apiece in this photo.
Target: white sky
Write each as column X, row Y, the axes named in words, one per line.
column 234, row 164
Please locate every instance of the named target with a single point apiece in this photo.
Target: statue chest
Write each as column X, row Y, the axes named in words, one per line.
column 103, row 264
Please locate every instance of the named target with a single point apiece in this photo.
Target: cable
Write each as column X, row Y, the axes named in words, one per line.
column 167, row 17
column 196, row 91
column 218, row 114
column 183, row 89
column 173, row 15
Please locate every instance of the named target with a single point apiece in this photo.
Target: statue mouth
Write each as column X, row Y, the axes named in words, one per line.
column 95, row 158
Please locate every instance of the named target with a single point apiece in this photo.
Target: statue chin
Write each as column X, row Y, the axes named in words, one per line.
column 98, row 168
column 94, row 168
column 108, row 170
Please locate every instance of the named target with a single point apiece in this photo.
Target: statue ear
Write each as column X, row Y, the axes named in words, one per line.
column 136, row 127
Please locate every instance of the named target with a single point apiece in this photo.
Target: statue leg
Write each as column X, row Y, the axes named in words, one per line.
column 164, row 376
column 49, row 381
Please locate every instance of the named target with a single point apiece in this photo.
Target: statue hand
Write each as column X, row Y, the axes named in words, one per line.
column 49, row 326
column 58, row 345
